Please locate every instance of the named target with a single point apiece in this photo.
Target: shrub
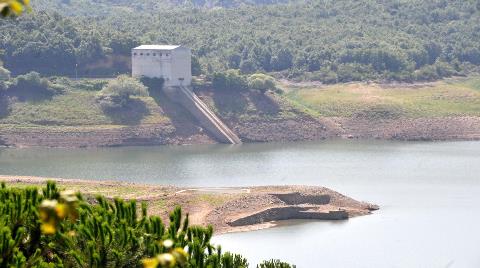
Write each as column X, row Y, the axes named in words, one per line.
column 196, row 66
column 116, row 94
column 32, row 81
column 152, row 83
column 89, row 84
column 229, row 80
column 32, row 85
column 324, row 75
column 61, row 229
column 261, row 82
column 354, row 72
column 427, row 72
column 444, row 69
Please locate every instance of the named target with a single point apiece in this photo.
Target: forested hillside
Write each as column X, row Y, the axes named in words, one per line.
column 329, row 41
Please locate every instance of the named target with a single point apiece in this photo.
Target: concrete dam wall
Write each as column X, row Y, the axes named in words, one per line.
column 206, row 117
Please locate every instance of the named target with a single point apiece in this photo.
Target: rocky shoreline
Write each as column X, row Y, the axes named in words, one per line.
column 230, row 209
column 304, row 128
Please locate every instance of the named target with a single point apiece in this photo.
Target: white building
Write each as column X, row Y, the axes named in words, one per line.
column 172, row 63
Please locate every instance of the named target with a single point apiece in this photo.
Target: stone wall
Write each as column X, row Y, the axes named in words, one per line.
column 288, row 213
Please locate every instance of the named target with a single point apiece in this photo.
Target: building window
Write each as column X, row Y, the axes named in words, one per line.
column 154, row 54
column 148, row 54
column 166, row 54
column 141, row 54
column 134, row 54
column 160, row 54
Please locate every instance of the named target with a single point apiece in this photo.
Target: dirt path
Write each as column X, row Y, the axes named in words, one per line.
column 226, row 209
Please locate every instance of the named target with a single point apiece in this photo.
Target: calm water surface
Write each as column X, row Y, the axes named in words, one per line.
column 429, row 194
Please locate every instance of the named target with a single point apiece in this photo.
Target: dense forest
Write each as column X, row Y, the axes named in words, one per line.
column 324, row 40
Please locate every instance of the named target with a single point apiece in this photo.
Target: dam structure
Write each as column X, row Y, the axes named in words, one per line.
column 172, row 63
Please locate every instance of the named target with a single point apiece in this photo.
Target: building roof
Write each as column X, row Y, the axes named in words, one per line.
column 158, row 47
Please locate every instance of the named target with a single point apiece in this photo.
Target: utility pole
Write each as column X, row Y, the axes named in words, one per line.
column 76, row 74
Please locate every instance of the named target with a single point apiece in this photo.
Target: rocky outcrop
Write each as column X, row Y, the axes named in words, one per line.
column 298, row 198
column 264, row 206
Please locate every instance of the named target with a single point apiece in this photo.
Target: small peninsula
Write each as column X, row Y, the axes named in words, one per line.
column 232, row 209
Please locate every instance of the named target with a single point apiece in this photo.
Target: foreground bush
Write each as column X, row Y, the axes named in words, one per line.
column 61, row 229
column 116, row 94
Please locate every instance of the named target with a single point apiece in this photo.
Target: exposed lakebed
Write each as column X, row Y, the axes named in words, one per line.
column 429, row 194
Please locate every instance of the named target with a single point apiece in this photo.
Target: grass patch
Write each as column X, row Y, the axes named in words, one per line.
column 452, row 98
column 473, row 83
column 79, row 108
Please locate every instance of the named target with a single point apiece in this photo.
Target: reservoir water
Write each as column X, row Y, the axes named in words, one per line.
column 428, row 192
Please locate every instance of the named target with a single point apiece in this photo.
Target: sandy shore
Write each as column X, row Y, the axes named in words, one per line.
column 230, row 209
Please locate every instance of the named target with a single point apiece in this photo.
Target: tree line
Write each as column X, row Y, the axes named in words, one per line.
column 325, row 40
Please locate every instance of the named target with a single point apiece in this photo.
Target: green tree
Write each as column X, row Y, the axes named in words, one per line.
column 282, row 60
column 261, row 82
column 297, row 39
column 117, row 93
column 152, row 83
column 196, row 67
column 32, row 86
column 229, row 80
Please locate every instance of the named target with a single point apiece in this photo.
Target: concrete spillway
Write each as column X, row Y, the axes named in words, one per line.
column 206, row 117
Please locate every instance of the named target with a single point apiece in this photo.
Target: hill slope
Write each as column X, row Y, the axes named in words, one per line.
column 329, row 41
column 444, row 110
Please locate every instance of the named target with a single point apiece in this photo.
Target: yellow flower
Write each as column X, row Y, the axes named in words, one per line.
column 150, row 263
column 180, row 255
column 47, row 209
column 48, row 228
column 61, row 211
column 16, row 7
column 43, row 215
